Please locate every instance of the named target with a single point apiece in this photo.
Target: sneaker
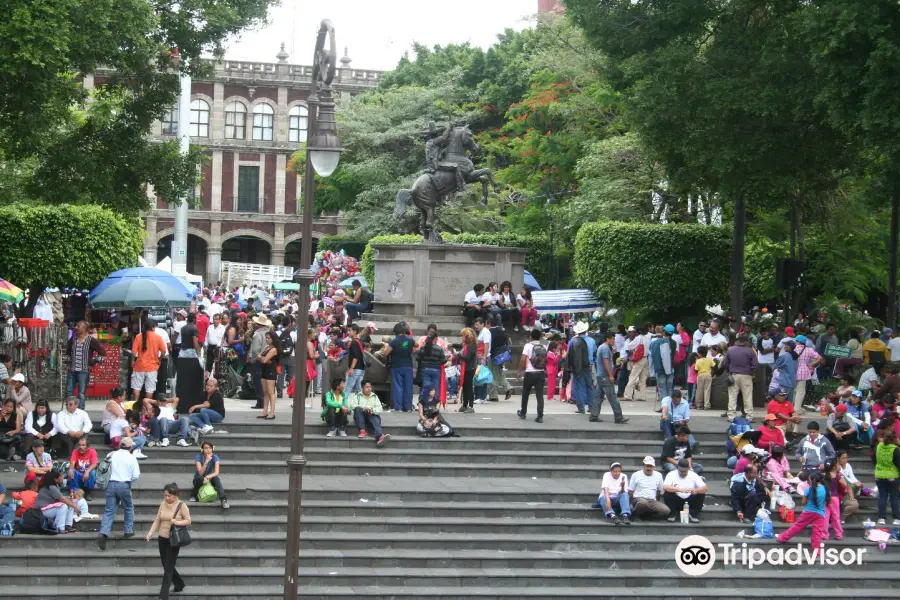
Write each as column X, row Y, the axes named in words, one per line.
column 520, row 414
column 626, row 519
column 896, row 523
column 342, row 433
column 881, row 522
column 152, row 444
column 671, row 519
column 595, row 420
column 622, row 421
column 183, row 442
column 693, row 519
column 331, row 433
column 128, row 536
column 470, row 410
column 539, row 420
column 139, row 455
column 206, row 429
column 164, row 442
column 101, row 542
column 225, row 505
column 508, row 394
column 363, row 434
column 383, row 439
column 613, row 519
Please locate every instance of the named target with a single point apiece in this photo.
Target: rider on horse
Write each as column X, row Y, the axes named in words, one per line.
column 435, row 153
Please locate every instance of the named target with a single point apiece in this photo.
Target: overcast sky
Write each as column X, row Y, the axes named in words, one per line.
column 378, row 32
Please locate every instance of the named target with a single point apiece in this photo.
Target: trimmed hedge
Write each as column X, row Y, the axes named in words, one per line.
column 535, row 260
column 679, row 268
column 351, row 245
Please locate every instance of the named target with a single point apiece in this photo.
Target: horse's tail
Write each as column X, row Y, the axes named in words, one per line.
column 404, row 199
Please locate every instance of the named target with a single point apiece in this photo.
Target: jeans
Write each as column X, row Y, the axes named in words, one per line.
column 609, row 509
column 494, row 315
column 402, row 387
column 669, row 467
column 287, row 373
column 622, row 380
column 354, row 309
column 453, row 385
column 78, row 481
column 168, row 556
column 7, row 512
column 117, row 492
column 60, row 516
column 354, row 381
column 82, row 378
column 480, row 391
column 431, row 379
column 665, row 384
column 362, row 419
column 318, row 387
column 608, row 389
column 204, row 417
column 179, row 425
column 888, row 487
column 216, row 483
column 534, row 380
column 582, row 389
column 335, row 418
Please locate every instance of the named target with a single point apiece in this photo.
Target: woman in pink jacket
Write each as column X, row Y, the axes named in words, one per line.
column 778, row 469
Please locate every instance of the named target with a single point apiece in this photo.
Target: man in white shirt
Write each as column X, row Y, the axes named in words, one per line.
column 646, row 487
column 123, row 471
column 713, row 337
column 638, row 369
column 72, row 424
column 614, row 494
column 684, row 486
column 697, row 340
column 214, row 336
column 472, row 305
column 484, row 349
column 169, row 422
column 894, row 345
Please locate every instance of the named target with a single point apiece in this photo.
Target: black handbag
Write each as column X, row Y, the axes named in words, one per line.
column 179, row 536
column 841, row 427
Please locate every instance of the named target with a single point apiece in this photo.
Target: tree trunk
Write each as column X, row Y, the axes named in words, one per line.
column 892, row 273
column 737, row 257
column 797, row 229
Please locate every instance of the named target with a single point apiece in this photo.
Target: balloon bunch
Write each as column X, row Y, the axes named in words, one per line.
column 331, row 268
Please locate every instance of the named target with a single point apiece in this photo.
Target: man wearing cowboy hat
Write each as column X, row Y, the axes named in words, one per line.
column 580, row 363
column 261, row 324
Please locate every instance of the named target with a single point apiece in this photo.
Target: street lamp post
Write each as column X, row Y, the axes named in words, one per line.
column 323, row 152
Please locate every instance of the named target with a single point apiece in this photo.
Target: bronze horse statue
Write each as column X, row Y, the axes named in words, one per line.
column 431, row 188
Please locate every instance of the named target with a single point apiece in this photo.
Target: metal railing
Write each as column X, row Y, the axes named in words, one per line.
column 248, row 205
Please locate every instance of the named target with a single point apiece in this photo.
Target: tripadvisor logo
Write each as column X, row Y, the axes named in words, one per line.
column 695, row 555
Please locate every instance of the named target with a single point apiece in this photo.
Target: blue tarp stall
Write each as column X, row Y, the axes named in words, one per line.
column 565, row 301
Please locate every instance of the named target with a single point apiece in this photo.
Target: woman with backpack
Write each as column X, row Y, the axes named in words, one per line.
column 813, row 515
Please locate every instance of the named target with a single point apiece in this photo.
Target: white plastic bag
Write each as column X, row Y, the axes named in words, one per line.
column 783, row 499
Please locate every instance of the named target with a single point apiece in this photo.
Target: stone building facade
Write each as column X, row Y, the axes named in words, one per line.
column 249, row 118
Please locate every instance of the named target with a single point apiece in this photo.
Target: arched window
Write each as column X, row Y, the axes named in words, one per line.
column 297, row 124
column 263, row 122
column 236, row 121
column 199, row 118
column 170, row 121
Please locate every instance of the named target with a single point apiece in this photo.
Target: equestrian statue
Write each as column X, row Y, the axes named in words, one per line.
column 447, row 171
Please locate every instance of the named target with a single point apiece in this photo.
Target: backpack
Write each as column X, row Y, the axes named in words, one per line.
column 738, row 426
column 286, row 342
column 32, row 521
column 104, row 470
column 539, row 356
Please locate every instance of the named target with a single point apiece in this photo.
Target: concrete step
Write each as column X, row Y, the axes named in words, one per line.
column 816, row 578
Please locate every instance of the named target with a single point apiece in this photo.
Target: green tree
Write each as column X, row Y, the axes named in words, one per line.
column 718, row 95
column 88, row 243
column 67, row 150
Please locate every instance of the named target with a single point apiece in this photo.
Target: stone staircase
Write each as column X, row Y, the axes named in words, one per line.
column 499, row 512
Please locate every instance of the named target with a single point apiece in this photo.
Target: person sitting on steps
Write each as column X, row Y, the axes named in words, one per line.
column 366, row 409
column 646, row 487
column 168, row 421
column 336, row 409
column 678, row 448
column 748, row 494
column 206, row 470
column 683, row 486
column 614, row 495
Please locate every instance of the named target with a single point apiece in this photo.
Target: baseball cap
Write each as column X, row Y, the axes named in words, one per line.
column 840, row 408
column 631, row 328
column 669, row 328
column 684, row 464
column 770, row 417
column 126, row 443
column 858, row 393
column 789, row 331
column 649, row 460
column 18, row 377
column 801, row 339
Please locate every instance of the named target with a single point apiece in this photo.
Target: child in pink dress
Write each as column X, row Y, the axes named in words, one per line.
column 552, row 369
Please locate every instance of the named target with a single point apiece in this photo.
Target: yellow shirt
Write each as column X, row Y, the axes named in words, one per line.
column 703, row 366
column 874, row 345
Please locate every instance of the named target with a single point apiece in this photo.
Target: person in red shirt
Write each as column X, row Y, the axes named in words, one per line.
column 771, row 435
column 83, row 467
column 783, row 409
column 26, row 497
column 203, row 323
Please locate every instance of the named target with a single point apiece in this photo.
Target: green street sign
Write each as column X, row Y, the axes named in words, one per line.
column 835, row 351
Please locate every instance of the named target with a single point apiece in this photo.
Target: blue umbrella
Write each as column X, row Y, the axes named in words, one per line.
column 349, row 281
column 531, row 282
column 145, row 273
column 143, row 293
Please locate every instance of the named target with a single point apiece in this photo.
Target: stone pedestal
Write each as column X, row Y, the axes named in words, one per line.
column 425, row 279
